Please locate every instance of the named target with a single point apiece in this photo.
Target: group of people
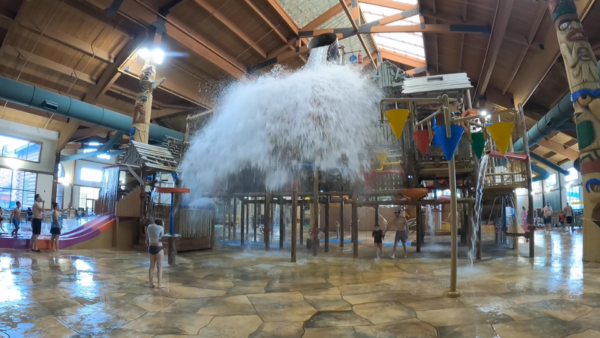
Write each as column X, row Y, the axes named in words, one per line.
column 565, row 218
column 36, row 222
column 400, row 226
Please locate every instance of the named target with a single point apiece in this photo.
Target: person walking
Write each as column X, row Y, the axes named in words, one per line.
column 154, row 233
column 568, row 211
column 16, row 219
column 36, row 222
column 56, row 227
column 548, row 217
column 1, row 219
column 399, row 225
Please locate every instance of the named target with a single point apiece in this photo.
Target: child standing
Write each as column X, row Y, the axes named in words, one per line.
column 378, row 238
column 56, row 227
column 16, row 219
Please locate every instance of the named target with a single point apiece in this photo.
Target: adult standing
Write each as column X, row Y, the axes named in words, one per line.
column 1, row 219
column 548, row 216
column 154, row 233
column 36, row 222
column 568, row 211
column 399, row 225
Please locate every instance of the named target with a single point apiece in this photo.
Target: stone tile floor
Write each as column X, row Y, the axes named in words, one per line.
column 233, row 293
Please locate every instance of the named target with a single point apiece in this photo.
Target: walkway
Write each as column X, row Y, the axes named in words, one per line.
column 229, row 293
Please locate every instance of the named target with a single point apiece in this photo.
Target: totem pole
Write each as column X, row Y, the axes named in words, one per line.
column 581, row 66
column 143, row 103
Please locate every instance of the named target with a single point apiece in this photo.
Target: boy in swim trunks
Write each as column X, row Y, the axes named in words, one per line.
column 378, row 238
column 16, row 219
column 399, row 225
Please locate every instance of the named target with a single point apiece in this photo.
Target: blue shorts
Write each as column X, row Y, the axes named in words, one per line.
column 16, row 222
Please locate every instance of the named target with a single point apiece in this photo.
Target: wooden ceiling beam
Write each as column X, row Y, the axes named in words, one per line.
column 231, row 26
column 388, row 3
column 560, row 149
column 81, row 134
column 403, row 59
column 284, row 15
column 267, row 20
column 13, row 25
column 355, row 26
column 5, row 21
column 29, row 119
column 533, row 29
column 69, row 41
column 429, row 28
column 43, row 62
column 535, row 67
column 321, row 19
column 499, row 26
column 99, row 15
column 147, row 15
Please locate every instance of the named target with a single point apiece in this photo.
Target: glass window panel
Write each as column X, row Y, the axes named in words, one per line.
column 550, row 181
column 60, row 189
column 573, row 175
column 5, row 178
column 20, row 149
column 5, row 200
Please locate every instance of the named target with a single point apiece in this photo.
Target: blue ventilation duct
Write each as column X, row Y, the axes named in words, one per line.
column 30, row 96
column 542, row 173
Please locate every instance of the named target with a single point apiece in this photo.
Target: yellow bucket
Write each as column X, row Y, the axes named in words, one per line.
column 397, row 119
column 501, row 132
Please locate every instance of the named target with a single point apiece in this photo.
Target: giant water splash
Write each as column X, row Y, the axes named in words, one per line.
column 324, row 114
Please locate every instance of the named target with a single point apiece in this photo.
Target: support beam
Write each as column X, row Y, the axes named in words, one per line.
column 282, row 13
column 69, row 41
column 537, row 21
column 397, row 17
column 87, row 132
column 66, row 134
column 535, row 67
column 501, row 20
column 560, row 149
column 278, row 59
column 355, row 27
column 388, row 3
column 267, row 20
column 405, row 60
column 354, row 10
column 13, row 25
column 231, row 26
column 321, row 19
column 425, row 28
column 185, row 36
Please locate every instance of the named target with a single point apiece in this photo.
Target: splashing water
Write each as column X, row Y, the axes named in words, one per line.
column 476, row 217
column 324, row 114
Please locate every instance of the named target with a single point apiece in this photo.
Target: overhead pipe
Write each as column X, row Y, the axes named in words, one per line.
column 37, row 98
column 559, row 114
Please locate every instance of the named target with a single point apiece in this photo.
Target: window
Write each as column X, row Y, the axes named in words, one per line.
column 88, row 197
column 536, row 185
column 60, row 191
column 574, row 196
column 17, row 185
column 573, row 175
column 103, row 156
column 19, row 149
column 91, row 175
column 521, row 191
column 550, row 181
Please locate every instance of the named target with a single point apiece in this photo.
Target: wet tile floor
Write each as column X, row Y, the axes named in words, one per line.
column 230, row 293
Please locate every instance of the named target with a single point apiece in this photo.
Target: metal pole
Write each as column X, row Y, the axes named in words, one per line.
column 354, row 227
column 247, row 220
column 234, row 218
column 529, row 182
column 255, row 217
column 294, row 223
column 453, row 292
column 242, row 221
column 301, row 223
column 315, row 225
column 172, row 218
column 267, row 225
column 281, row 224
column 419, row 226
column 328, row 199
column 342, row 222
column 230, row 221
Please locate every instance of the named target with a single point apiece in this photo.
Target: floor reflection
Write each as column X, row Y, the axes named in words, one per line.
column 248, row 293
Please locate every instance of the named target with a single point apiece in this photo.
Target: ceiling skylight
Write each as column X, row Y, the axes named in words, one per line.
column 409, row 44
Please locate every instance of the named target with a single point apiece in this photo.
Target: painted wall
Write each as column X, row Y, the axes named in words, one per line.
column 44, row 188
column 46, row 137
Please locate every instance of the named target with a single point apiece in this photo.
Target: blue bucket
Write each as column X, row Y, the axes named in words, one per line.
column 448, row 144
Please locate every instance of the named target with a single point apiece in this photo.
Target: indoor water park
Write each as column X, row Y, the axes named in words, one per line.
column 300, row 168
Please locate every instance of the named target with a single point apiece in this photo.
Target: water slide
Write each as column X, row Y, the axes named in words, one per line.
column 75, row 238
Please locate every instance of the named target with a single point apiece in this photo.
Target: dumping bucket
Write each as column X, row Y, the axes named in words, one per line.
column 501, row 133
column 397, row 119
column 381, row 157
column 478, row 143
column 448, row 144
column 423, row 140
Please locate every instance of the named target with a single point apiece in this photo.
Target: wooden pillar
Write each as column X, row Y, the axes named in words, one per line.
column 234, row 223
column 267, row 225
column 327, row 201
column 301, row 223
column 294, row 223
column 281, row 223
column 230, row 221
column 342, row 222
column 354, row 227
column 247, row 220
column 242, row 223
column 419, row 226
